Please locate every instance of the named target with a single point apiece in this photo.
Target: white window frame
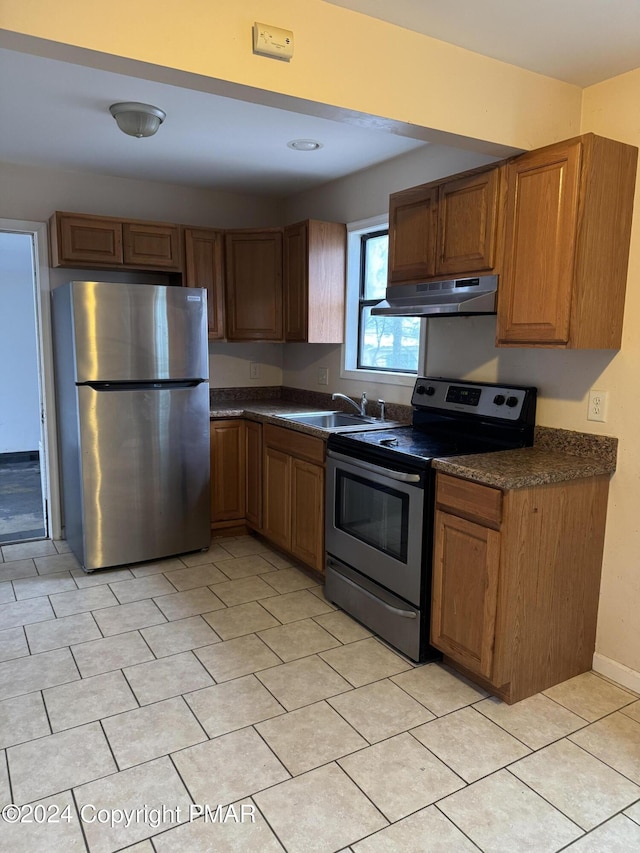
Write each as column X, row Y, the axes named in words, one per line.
column 349, row 360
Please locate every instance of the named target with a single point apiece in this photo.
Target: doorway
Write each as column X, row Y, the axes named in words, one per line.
column 25, row 482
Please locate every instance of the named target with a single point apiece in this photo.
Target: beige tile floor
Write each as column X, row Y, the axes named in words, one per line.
column 224, row 678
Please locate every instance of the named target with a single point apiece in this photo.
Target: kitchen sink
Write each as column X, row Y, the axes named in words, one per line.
column 338, row 421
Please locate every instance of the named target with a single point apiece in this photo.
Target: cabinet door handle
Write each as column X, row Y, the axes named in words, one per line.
column 375, row 469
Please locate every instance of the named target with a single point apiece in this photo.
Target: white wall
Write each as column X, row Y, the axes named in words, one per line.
column 33, row 193
column 19, row 390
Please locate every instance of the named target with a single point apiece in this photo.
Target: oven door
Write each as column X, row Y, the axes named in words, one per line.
column 374, row 522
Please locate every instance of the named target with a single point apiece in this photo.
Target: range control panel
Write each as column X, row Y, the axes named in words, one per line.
column 475, row 398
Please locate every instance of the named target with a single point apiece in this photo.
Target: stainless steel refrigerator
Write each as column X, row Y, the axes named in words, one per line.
column 132, row 395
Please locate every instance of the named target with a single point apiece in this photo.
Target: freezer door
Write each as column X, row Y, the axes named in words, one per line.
column 138, row 331
column 144, row 477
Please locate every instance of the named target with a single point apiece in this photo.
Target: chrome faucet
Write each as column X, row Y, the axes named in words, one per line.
column 361, row 407
column 382, row 405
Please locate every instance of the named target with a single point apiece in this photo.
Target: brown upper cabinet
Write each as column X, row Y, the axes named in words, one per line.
column 152, row 245
column 103, row 242
column 253, row 277
column 446, row 228
column 567, row 218
column 314, row 281
column 203, row 256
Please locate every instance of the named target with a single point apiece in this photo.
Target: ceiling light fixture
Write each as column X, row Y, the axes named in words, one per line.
column 304, row 144
column 137, row 119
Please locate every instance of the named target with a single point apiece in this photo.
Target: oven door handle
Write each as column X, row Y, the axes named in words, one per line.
column 375, row 469
column 405, row 614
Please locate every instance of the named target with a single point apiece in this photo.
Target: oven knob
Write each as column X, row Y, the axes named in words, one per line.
column 429, row 390
column 499, row 399
column 512, row 401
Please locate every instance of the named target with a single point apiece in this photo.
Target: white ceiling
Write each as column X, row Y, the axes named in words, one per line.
column 578, row 41
column 55, row 113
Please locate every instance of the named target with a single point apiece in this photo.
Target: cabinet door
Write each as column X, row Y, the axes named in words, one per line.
column 468, row 224
column 465, row 591
column 254, row 474
column 253, row 266
column 307, row 522
column 227, row 470
column 541, row 215
column 277, row 497
column 412, row 235
column 151, row 245
column 203, row 265
column 296, row 281
column 85, row 240
column 314, row 281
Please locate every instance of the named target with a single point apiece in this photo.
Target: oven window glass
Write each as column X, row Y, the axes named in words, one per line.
column 375, row 514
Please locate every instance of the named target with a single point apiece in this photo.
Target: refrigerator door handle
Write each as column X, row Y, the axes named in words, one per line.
column 158, row 385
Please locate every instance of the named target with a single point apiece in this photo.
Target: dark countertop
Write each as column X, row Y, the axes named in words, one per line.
column 557, row 455
column 528, row 466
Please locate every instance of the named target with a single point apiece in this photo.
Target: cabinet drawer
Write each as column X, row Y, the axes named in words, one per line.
column 469, row 500
column 85, row 240
column 294, row 443
column 151, row 245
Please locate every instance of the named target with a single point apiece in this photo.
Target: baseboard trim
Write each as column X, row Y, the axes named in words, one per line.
column 618, row 672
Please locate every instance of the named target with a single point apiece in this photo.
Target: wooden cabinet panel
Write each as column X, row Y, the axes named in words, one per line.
column 412, row 234
column 254, row 474
column 90, row 241
column 307, row 502
column 152, row 245
column 204, row 268
column 470, row 500
column 468, row 224
column 227, row 470
column 293, row 493
column 541, row 215
column 295, row 443
column 277, row 497
column 465, row 590
column 104, row 242
column 568, row 216
column 253, row 273
column 296, row 277
column 517, row 609
column 314, row 281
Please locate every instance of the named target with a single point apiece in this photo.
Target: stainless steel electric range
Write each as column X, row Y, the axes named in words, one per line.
column 380, row 501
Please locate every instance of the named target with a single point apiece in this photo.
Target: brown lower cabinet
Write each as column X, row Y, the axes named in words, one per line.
column 516, row 580
column 228, row 466
column 270, row 479
column 254, row 474
column 293, row 490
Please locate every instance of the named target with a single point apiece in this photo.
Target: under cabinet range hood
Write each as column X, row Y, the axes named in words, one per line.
column 456, row 297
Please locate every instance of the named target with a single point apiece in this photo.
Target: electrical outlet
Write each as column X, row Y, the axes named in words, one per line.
column 323, row 376
column 254, row 370
column 598, row 405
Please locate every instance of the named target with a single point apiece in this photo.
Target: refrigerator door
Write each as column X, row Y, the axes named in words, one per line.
column 137, row 331
column 144, row 474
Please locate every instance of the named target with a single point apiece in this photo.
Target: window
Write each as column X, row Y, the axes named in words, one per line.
column 387, row 349
column 384, row 343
